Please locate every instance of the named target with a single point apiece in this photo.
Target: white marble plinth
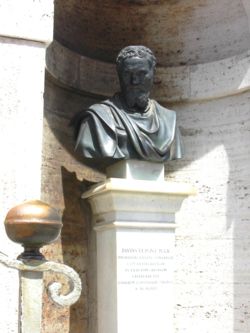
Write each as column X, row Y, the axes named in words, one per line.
column 134, row 169
column 135, row 225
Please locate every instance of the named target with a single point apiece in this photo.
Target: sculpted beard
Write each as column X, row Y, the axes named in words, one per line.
column 137, row 98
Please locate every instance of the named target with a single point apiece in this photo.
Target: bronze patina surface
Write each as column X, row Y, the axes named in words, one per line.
column 33, row 224
column 129, row 125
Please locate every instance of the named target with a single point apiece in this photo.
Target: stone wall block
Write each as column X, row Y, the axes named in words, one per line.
column 27, row 19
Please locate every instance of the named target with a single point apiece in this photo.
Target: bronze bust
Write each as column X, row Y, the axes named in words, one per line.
column 129, row 125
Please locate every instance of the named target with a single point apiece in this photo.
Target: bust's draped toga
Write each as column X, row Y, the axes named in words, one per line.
column 109, row 132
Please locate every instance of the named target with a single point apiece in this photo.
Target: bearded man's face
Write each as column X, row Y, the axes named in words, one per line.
column 136, row 80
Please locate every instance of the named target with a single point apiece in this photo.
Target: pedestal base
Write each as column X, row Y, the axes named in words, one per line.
column 135, row 225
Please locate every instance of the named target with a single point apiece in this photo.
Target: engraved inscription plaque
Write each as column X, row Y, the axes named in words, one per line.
column 145, row 268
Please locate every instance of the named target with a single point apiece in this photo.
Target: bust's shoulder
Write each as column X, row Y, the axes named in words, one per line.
column 164, row 112
column 102, row 112
column 99, row 108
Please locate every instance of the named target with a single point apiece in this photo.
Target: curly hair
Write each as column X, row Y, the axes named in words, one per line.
column 139, row 51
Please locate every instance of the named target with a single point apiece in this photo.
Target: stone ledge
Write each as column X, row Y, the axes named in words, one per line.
column 172, row 84
column 135, row 225
column 139, row 186
column 140, row 201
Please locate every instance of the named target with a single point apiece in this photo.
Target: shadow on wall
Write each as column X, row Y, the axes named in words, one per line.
column 74, row 242
column 62, row 187
column 217, row 229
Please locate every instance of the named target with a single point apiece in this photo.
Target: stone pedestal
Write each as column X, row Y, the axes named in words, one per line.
column 135, row 225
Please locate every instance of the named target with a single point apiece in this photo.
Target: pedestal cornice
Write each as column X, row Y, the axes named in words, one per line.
column 136, row 201
column 145, row 186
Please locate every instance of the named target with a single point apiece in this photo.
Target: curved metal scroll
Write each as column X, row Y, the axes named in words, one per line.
column 54, row 288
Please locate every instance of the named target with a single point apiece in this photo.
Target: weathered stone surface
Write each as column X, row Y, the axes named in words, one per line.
column 212, row 276
column 62, row 186
column 28, row 19
column 21, row 108
column 204, row 81
column 180, row 32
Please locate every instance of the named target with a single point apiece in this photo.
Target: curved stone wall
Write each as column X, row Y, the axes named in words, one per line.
column 202, row 49
column 180, row 32
column 213, row 242
column 215, row 79
column 203, row 73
